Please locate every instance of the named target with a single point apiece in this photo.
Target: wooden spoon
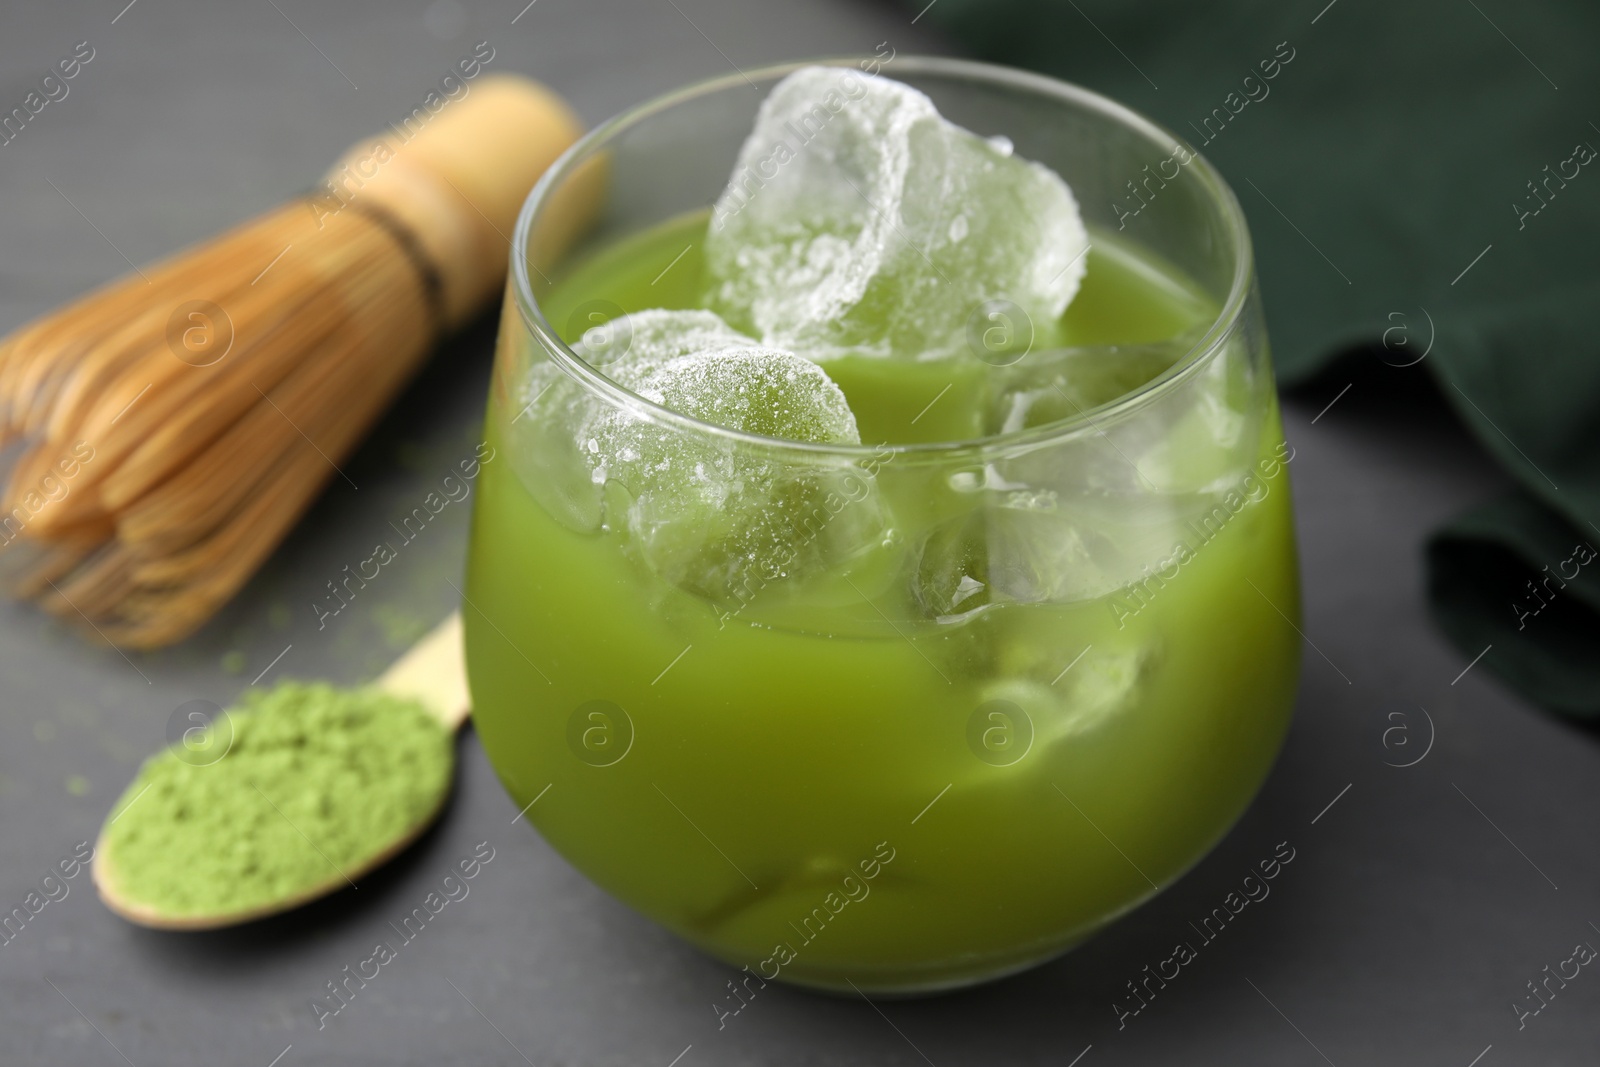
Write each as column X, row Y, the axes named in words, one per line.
column 431, row 673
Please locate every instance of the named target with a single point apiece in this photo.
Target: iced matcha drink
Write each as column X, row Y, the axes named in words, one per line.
column 888, row 581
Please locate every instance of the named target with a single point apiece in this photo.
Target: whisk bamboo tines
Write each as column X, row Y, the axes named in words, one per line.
column 177, row 422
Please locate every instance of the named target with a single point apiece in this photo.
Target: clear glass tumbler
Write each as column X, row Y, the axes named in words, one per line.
column 902, row 716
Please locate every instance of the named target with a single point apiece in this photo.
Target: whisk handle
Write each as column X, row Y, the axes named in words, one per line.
column 456, row 178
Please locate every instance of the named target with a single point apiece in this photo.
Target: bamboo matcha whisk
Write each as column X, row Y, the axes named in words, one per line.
column 176, row 423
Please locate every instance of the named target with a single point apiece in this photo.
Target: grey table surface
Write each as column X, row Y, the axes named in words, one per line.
column 1421, row 898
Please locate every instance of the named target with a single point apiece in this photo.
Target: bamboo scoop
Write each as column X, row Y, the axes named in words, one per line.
column 177, row 422
column 431, row 673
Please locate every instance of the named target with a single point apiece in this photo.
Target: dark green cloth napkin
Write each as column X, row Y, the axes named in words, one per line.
column 1419, row 176
column 1514, row 570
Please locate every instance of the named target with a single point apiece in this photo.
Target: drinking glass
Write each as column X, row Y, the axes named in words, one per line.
column 895, row 716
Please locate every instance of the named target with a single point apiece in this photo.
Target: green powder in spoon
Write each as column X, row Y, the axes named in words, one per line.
column 316, row 782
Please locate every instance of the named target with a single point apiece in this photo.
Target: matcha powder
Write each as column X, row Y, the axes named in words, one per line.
column 317, row 781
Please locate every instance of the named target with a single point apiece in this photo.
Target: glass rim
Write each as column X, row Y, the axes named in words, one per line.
column 1086, row 420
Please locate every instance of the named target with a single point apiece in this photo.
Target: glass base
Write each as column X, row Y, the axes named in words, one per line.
column 948, row 978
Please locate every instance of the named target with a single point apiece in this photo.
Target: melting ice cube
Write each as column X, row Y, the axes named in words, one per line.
column 719, row 517
column 860, row 221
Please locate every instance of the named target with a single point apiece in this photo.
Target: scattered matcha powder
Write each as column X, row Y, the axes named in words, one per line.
column 318, row 780
column 401, row 628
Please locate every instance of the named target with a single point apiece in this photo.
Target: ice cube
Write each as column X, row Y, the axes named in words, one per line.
column 858, row 221
column 1134, row 480
column 633, row 345
column 542, row 442
column 1209, row 440
column 742, row 386
column 1066, row 691
column 719, row 517
column 1053, row 384
column 1024, row 554
column 550, row 432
